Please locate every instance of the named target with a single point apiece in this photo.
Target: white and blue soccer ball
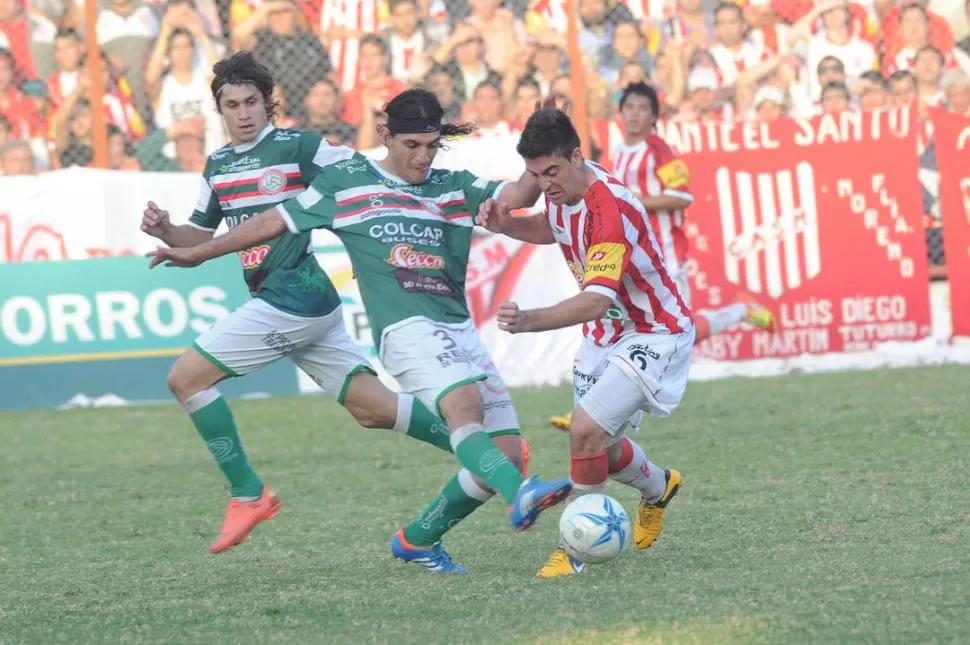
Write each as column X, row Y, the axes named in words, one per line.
column 594, row 528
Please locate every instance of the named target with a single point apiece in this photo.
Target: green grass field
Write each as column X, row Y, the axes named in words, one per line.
column 817, row 509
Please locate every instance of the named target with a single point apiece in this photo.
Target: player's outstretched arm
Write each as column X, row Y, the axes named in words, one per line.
column 497, row 218
column 155, row 222
column 583, row 307
column 255, row 230
column 523, row 193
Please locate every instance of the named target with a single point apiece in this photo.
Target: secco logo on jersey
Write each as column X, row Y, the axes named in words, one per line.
column 405, row 257
column 764, row 257
column 412, row 233
column 272, row 182
column 252, row 258
column 604, row 261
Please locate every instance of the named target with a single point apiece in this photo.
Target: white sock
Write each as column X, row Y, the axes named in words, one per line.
column 642, row 474
column 725, row 317
column 471, row 488
column 403, row 421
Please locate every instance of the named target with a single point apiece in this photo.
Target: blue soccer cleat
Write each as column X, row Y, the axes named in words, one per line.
column 535, row 496
column 435, row 559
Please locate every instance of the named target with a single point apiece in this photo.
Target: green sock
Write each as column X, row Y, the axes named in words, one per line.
column 478, row 453
column 450, row 507
column 213, row 419
column 422, row 423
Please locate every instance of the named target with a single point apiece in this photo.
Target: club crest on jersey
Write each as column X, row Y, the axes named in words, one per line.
column 406, row 257
column 271, row 182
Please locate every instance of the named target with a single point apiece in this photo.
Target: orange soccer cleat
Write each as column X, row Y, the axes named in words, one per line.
column 242, row 516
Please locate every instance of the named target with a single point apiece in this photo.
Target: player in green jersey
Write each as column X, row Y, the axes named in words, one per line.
column 407, row 229
column 295, row 311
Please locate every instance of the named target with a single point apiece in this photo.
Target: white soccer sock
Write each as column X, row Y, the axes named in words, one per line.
column 725, row 317
column 199, row 400
column 405, row 402
column 642, row 474
column 471, row 488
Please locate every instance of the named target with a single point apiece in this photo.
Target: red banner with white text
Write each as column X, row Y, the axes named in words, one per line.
column 953, row 159
column 820, row 219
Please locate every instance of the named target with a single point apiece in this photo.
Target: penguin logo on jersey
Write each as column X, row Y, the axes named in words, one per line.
column 272, row 182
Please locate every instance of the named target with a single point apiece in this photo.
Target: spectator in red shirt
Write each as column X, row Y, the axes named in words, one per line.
column 914, row 29
column 938, row 30
column 18, row 109
column 28, row 38
column 376, row 85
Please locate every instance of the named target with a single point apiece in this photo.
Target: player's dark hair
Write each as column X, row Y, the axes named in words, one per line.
column 548, row 133
column 180, row 31
column 644, row 90
column 242, row 68
column 418, row 104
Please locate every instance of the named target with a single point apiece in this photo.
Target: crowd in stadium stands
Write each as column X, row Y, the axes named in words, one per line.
column 339, row 61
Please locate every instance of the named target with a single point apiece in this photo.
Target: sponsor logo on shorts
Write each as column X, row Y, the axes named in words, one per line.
column 408, row 233
column 639, row 353
column 413, row 282
column 406, row 257
column 279, row 342
column 583, row 377
column 452, row 357
column 271, row 182
column 252, row 258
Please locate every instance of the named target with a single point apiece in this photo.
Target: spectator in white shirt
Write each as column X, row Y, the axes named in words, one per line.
column 409, row 43
column 835, row 39
column 732, row 53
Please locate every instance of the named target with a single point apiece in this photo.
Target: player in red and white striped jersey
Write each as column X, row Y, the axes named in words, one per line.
column 660, row 181
column 637, row 329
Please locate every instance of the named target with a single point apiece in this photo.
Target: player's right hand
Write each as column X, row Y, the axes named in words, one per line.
column 155, row 221
column 494, row 216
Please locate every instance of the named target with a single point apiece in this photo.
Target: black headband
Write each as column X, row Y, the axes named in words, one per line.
column 420, row 125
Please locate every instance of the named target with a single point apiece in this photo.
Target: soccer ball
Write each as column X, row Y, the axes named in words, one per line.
column 594, row 528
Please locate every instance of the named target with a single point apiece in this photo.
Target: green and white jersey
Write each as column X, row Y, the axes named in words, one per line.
column 242, row 181
column 409, row 243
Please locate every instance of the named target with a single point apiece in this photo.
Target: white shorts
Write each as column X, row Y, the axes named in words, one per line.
column 258, row 334
column 430, row 359
column 641, row 373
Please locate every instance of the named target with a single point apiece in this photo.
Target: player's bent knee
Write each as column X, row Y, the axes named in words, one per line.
column 192, row 374
column 370, row 402
column 586, row 437
column 462, row 406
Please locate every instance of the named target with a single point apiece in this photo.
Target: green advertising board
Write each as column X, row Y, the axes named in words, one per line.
column 111, row 326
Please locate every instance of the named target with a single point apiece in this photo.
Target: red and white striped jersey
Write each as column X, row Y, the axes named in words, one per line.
column 650, row 168
column 354, row 15
column 612, row 251
column 730, row 64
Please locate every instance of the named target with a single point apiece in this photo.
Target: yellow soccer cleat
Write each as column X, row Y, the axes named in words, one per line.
column 758, row 315
column 650, row 517
column 563, row 422
column 560, row 564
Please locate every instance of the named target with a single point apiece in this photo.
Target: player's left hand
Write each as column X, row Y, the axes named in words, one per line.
column 511, row 318
column 182, row 257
